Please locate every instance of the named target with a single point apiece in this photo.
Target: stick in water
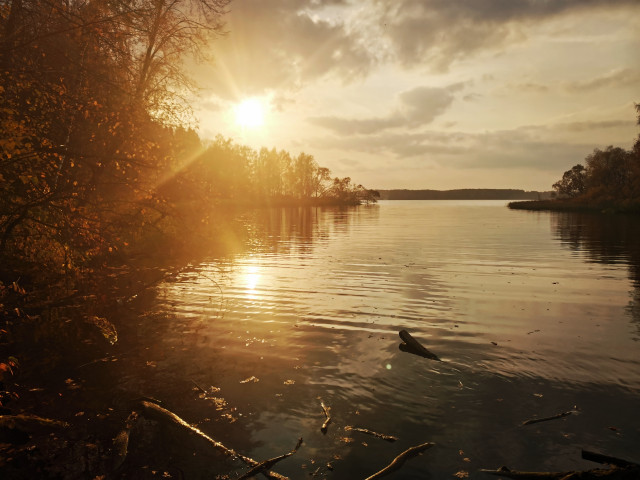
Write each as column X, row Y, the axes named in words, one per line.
column 388, row 438
column 326, row 423
column 267, row 464
column 400, row 459
column 545, row 419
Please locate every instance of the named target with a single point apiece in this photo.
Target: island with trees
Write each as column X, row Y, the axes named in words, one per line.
column 609, row 181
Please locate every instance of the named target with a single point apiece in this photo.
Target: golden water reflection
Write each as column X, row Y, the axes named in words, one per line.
column 532, row 313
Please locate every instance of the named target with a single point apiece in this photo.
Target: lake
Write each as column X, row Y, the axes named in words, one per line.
column 532, row 313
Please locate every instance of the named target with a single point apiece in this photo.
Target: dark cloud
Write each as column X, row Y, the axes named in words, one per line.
column 285, row 44
column 417, row 107
column 439, row 32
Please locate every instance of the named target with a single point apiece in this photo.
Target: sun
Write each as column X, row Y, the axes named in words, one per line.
column 250, row 113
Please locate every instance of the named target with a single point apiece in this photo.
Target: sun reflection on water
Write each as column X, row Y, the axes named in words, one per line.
column 251, row 279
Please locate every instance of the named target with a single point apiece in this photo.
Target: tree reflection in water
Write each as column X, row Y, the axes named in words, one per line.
column 606, row 239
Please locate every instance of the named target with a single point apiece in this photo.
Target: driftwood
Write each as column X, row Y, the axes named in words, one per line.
column 545, row 419
column 267, row 464
column 152, row 411
column 18, row 428
column 600, row 458
column 614, row 473
column 388, row 438
column 400, row 459
column 327, row 421
column 411, row 345
column 620, row 470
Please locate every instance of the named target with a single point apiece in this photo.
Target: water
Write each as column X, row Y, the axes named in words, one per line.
column 532, row 313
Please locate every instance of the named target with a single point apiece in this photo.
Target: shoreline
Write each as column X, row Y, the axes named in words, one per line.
column 574, row 206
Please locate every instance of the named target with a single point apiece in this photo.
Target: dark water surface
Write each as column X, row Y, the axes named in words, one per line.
column 533, row 314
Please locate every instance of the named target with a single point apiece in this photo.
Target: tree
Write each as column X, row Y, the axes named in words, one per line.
column 87, row 90
column 164, row 31
column 572, row 183
column 609, row 172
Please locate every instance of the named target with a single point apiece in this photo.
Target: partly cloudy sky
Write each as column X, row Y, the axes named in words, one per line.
column 436, row 94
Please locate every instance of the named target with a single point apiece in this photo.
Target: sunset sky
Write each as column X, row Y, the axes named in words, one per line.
column 428, row 93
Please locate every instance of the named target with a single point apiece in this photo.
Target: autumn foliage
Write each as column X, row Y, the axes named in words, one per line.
column 609, row 180
column 96, row 155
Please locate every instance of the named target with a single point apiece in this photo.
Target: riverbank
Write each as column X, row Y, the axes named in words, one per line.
column 572, row 205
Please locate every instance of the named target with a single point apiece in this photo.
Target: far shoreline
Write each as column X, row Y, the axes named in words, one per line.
column 570, row 205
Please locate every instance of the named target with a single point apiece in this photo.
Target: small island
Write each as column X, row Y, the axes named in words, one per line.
column 609, row 182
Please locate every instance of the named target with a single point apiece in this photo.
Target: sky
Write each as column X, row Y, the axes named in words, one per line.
column 432, row 94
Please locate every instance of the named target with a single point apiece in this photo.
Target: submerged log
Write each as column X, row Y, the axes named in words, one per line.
column 400, row 459
column 411, row 345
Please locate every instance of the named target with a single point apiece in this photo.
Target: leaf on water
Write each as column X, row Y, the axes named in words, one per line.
column 250, row 379
column 289, row 382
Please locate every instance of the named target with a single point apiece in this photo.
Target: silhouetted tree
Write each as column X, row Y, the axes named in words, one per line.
column 572, row 183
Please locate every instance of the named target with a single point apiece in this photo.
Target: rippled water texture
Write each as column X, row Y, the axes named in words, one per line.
column 532, row 313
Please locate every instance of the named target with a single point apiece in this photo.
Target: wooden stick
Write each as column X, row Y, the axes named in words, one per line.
column 400, row 459
column 553, row 417
column 156, row 412
column 506, row 472
column 198, row 386
column 614, row 473
column 267, row 464
column 326, row 423
column 388, row 438
column 600, row 458
column 411, row 345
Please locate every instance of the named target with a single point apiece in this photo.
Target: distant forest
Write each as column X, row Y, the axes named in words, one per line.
column 463, row 194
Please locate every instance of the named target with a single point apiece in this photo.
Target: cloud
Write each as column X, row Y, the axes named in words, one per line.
column 287, row 44
column 536, row 147
column 614, row 79
column 440, row 32
column 417, row 107
column 280, row 45
column 530, row 87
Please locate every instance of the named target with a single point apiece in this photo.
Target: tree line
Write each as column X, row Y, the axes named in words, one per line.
column 95, row 147
column 221, row 169
column 609, row 178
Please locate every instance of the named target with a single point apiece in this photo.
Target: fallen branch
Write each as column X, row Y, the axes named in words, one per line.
column 545, row 419
column 327, row 421
column 400, row 459
column 614, row 473
column 600, row 458
column 411, row 345
column 155, row 412
column 18, row 429
column 508, row 473
column 267, row 464
column 388, row 438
